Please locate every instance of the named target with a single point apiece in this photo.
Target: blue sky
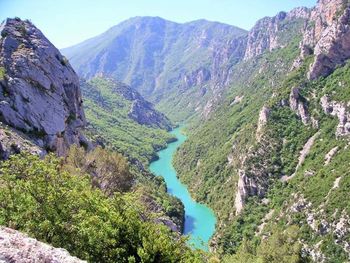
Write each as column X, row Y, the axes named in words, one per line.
column 67, row 22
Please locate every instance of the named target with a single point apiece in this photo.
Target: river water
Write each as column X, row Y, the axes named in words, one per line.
column 199, row 219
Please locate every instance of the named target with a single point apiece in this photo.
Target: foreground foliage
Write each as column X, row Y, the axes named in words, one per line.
column 42, row 199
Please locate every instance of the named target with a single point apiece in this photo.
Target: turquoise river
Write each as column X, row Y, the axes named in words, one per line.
column 199, row 219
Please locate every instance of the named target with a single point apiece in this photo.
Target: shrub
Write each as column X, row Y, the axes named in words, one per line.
column 61, row 208
column 2, row 73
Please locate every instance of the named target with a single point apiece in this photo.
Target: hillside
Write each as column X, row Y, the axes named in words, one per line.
column 122, row 120
column 273, row 159
column 170, row 64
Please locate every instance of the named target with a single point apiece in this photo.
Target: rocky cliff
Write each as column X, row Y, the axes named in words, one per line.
column 39, row 90
column 18, row 247
column 270, row 33
column 326, row 36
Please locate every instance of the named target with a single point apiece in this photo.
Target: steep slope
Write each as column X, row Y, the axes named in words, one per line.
column 121, row 119
column 40, row 95
column 179, row 65
column 272, row 160
column 140, row 110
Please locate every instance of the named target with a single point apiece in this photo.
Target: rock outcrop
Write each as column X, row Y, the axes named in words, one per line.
column 303, row 154
column 339, row 110
column 263, row 118
column 143, row 113
column 18, row 247
column 298, row 104
column 267, row 34
column 39, row 90
column 245, row 187
column 327, row 36
column 330, row 155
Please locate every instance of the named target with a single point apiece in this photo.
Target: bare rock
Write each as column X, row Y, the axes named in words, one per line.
column 238, row 99
column 303, row 154
column 13, row 142
column 327, row 36
column 330, row 155
column 18, row 247
column 40, row 92
column 306, row 149
column 265, row 35
column 196, row 78
column 245, row 187
column 333, row 47
column 314, row 252
column 298, row 105
column 339, row 110
column 263, row 118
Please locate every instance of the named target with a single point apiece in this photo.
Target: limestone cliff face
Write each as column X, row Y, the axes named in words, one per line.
column 327, row 36
column 298, row 104
column 268, row 33
column 39, row 90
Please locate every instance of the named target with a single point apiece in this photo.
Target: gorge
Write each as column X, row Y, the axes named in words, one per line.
column 92, row 161
column 199, row 219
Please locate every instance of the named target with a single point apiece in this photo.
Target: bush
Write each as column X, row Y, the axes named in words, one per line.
column 2, row 73
column 62, row 208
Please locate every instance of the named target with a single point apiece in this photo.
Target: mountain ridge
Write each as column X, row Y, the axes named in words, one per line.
column 161, row 59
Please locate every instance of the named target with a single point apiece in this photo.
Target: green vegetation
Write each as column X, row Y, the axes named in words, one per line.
column 107, row 111
column 280, row 247
column 231, row 128
column 216, row 150
column 156, row 59
column 42, row 199
column 2, row 73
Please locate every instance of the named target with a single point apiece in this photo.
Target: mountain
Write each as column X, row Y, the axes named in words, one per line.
column 267, row 120
column 123, row 120
column 40, row 95
column 170, row 64
column 272, row 159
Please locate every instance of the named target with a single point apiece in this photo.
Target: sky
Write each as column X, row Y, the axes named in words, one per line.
column 68, row 22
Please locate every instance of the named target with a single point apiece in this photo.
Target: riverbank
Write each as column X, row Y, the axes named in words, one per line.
column 199, row 219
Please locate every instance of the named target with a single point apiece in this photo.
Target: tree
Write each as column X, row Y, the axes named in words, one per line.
column 63, row 209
